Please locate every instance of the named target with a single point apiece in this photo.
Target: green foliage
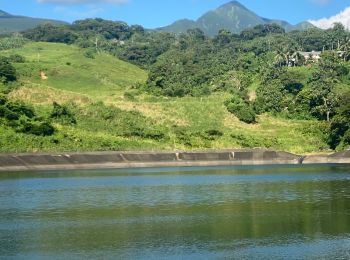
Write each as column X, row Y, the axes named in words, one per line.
column 62, row 114
column 23, row 119
column 34, row 127
column 51, row 33
column 270, row 97
column 16, row 58
column 262, row 30
column 146, row 49
column 16, row 41
column 119, row 122
column 242, row 109
column 339, row 132
column 196, row 139
column 7, row 70
column 251, row 141
column 90, row 53
column 108, row 29
column 255, row 66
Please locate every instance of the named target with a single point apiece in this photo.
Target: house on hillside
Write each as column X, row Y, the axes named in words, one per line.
column 313, row 56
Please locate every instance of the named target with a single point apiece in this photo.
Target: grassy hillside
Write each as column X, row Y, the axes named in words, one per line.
column 112, row 114
column 68, row 68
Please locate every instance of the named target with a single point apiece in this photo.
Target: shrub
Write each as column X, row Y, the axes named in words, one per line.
column 20, row 109
column 90, row 54
column 3, row 99
column 241, row 109
column 212, row 134
column 17, row 58
column 7, row 71
column 63, row 114
column 250, row 141
column 22, row 118
column 36, row 128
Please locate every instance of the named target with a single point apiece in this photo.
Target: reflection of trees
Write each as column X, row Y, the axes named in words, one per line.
column 123, row 219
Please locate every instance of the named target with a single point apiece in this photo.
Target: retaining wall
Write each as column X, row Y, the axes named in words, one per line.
column 23, row 162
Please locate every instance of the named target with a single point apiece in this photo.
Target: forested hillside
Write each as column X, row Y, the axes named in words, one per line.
column 103, row 85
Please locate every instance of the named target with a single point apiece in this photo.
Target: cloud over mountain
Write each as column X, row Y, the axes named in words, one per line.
column 325, row 23
column 75, row 2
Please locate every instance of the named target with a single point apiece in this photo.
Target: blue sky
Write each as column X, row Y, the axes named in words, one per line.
column 156, row 13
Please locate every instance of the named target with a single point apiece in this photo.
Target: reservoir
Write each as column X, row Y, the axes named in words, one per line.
column 242, row 212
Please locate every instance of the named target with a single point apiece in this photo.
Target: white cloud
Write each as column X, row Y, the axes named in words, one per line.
column 76, row 2
column 325, row 23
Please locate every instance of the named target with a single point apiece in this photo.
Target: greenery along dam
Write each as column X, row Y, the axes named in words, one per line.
column 241, row 212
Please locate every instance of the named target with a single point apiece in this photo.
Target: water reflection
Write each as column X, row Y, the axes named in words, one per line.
column 217, row 212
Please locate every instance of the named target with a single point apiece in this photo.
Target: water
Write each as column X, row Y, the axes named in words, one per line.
column 262, row 212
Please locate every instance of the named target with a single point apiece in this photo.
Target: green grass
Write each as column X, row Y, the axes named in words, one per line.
column 68, row 69
column 185, row 122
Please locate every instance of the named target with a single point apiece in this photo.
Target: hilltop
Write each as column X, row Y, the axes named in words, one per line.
column 232, row 16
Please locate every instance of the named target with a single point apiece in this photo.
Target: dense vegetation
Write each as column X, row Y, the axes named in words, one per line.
column 259, row 76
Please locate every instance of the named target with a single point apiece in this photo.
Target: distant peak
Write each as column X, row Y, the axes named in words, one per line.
column 234, row 3
column 3, row 13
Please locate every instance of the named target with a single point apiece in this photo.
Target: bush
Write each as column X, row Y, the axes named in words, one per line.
column 212, row 134
column 62, row 114
column 241, row 109
column 20, row 109
column 17, row 58
column 36, row 128
column 22, row 118
column 250, row 141
column 3, row 99
column 90, row 54
column 7, row 71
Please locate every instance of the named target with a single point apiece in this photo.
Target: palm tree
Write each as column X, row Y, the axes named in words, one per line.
column 279, row 58
column 287, row 54
column 345, row 48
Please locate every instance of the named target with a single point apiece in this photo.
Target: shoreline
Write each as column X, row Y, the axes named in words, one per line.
column 119, row 160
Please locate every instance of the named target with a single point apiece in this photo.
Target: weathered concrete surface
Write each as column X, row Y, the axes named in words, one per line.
column 23, row 162
column 336, row 158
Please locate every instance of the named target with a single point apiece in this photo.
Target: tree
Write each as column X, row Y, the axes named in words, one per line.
column 242, row 109
column 270, row 97
column 7, row 71
column 51, row 33
column 339, row 132
column 63, row 114
column 345, row 49
column 223, row 38
column 262, row 30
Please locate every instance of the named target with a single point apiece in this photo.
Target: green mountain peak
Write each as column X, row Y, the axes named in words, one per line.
column 232, row 16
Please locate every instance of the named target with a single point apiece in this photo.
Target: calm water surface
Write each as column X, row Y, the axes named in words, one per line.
column 265, row 212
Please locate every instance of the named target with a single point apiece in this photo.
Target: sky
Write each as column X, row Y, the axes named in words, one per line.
column 158, row 13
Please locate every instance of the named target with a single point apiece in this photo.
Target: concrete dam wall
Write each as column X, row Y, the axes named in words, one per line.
column 61, row 161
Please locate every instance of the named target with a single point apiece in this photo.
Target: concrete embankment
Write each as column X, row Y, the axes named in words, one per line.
column 336, row 158
column 25, row 162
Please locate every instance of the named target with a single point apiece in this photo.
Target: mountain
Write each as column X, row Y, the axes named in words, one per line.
column 12, row 23
column 232, row 16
